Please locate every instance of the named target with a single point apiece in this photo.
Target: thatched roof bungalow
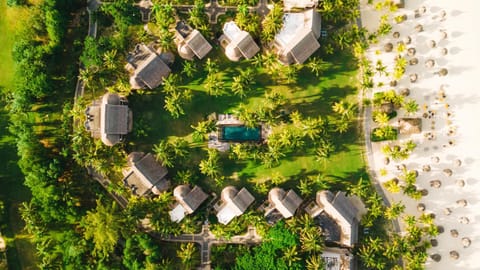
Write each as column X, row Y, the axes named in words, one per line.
column 233, row 203
column 237, row 43
column 109, row 119
column 298, row 38
column 284, row 202
column 188, row 201
column 341, row 209
column 147, row 68
column 145, row 176
column 190, row 42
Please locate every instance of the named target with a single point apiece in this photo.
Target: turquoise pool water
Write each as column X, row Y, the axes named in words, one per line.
column 241, row 133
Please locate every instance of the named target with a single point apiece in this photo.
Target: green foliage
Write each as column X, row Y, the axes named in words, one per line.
column 269, row 254
column 272, row 23
column 386, row 133
column 123, row 12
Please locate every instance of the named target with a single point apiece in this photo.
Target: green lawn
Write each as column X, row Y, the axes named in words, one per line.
column 20, row 253
column 311, row 96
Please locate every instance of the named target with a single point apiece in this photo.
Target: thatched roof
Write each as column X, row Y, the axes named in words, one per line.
column 239, row 42
column 285, row 203
column 190, row 199
column 409, row 125
column 198, row 44
column 341, row 209
column 297, row 40
column 234, row 203
column 145, row 175
column 149, row 68
column 109, row 119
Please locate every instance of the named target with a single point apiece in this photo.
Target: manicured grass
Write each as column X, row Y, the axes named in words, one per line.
column 311, row 96
column 10, row 20
column 20, row 251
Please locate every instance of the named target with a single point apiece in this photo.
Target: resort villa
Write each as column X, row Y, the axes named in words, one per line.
column 145, row 176
column 147, row 67
column 109, row 119
column 190, row 42
column 188, row 200
column 237, row 43
column 232, row 203
column 282, row 204
column 298, row 38
column 339, row 215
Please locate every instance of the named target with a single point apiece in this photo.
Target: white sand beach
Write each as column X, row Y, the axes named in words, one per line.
column 454, row 123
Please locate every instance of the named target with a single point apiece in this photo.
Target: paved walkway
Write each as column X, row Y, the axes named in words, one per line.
column 206, row 239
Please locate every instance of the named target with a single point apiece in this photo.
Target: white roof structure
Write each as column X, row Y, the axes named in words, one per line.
column 297, row 40
column 238, row 43
column 190, row 42
column 285, row 202
column 188, row 201
column 290, row 4
column 233, row 204
column 343, row 211
column 147, row 67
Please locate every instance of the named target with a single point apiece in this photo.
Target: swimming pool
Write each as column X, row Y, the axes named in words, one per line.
column 240, row 133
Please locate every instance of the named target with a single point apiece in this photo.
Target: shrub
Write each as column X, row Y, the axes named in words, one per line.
column 386, row 133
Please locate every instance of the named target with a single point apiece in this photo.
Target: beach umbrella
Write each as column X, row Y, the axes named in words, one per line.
column 454, row 233
column 413, row 61
column 434, row 242
column 421, row 207
column 454, row 255
column 448, row 172
column 466, row 242
column 419, row 28
column 444, row 51
column 388, row 47
column 457, row 162
column 393, row 83
column 436, row 257
column 413, row 77
column 429, row 63
column 426, row 168
column 396, row 34
column 435, row 183
column 411, row 51
column 443, row 34
column 386, row 161
column 431, row 43
column 447, row 211
column 405, row 92
column 407, row 40
column 460, row 183
column 442, row 72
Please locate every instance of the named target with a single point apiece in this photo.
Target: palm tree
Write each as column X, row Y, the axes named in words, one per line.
column 103, row 226
column 344, row 108
column 381, row 119
column 189, row 68
column 202, row 129
column 272, row 23
column 213, row 84
column 238, row 87
column 380, row 68
column 392, row 185
column 109, row 59
column 315, row 262
column 394, row 210
column 210, row 166
column 316, row 65
column 290, row 255
column 186, row 254
column 311, row 240
column 163, row 153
